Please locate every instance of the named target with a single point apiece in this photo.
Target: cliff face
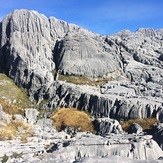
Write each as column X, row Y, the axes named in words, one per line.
column 33, row 46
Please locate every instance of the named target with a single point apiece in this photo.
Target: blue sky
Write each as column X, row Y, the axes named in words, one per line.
column 101, row 16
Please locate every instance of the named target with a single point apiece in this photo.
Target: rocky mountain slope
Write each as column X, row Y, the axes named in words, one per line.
column 35, row 50
column 118, row 76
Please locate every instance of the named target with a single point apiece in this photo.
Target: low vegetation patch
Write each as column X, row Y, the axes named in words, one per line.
column 5, row 158
column 11, row 92
column 81, row 80
column 13, row 130
column 145, row 123
column 14, row 155
column 10, row 108
column 17, row 155
column 13, row 100
column 70, row 117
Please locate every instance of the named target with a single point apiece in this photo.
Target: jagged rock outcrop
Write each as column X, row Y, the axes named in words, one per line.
column 31, row 115
column 115, row 159
column 33, row 46
column 120, row 101
column 89, row 146
column 104, row 126
column 48, row 145
column 158, row 135
column 135, row 128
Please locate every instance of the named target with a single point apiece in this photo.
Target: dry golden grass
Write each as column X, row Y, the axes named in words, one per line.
column 13, row 130
column 73, row 118
column 145, row 123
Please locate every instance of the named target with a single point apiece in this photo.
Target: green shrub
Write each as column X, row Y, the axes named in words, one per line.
column 5, row 158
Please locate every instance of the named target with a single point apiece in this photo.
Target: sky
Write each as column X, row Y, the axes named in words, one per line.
column 100, row 16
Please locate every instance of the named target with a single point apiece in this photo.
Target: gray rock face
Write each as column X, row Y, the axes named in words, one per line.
column 135, row 128
column 81, row 148
column 118, row 101
column 31, row 115
column 158, row 135
column 116, row 159
column 105, row 126
column 89, row 146
column 79, row 54
column 32, row 46
column 160, row 115
column 4, row 117
column 26, row 48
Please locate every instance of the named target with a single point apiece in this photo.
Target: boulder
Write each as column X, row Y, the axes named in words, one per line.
column 18, row 118
column 31, row 115
column 5, row 117
column 104, row 126
column 158, row 134
column 135, row 128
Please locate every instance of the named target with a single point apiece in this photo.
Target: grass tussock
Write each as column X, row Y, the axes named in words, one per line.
column 13, row 130
column 70, row 117
column 13, row 93
column 145, row 123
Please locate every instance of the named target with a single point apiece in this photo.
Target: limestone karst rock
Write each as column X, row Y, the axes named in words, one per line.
column 33, row 46
column 88, row 146
column 135, row 128
column 104, row 126
column 158, row 135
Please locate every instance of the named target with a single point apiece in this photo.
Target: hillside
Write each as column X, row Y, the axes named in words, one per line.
column 114, row 72
column 48, row 64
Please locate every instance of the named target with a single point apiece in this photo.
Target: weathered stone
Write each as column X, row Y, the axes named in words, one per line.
column 5, row 117
column 160, row 115
column 18, row 118
column 89, row 146
column 158, row 135
column 31, row 115
column 104, row 126
column 135, row 128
